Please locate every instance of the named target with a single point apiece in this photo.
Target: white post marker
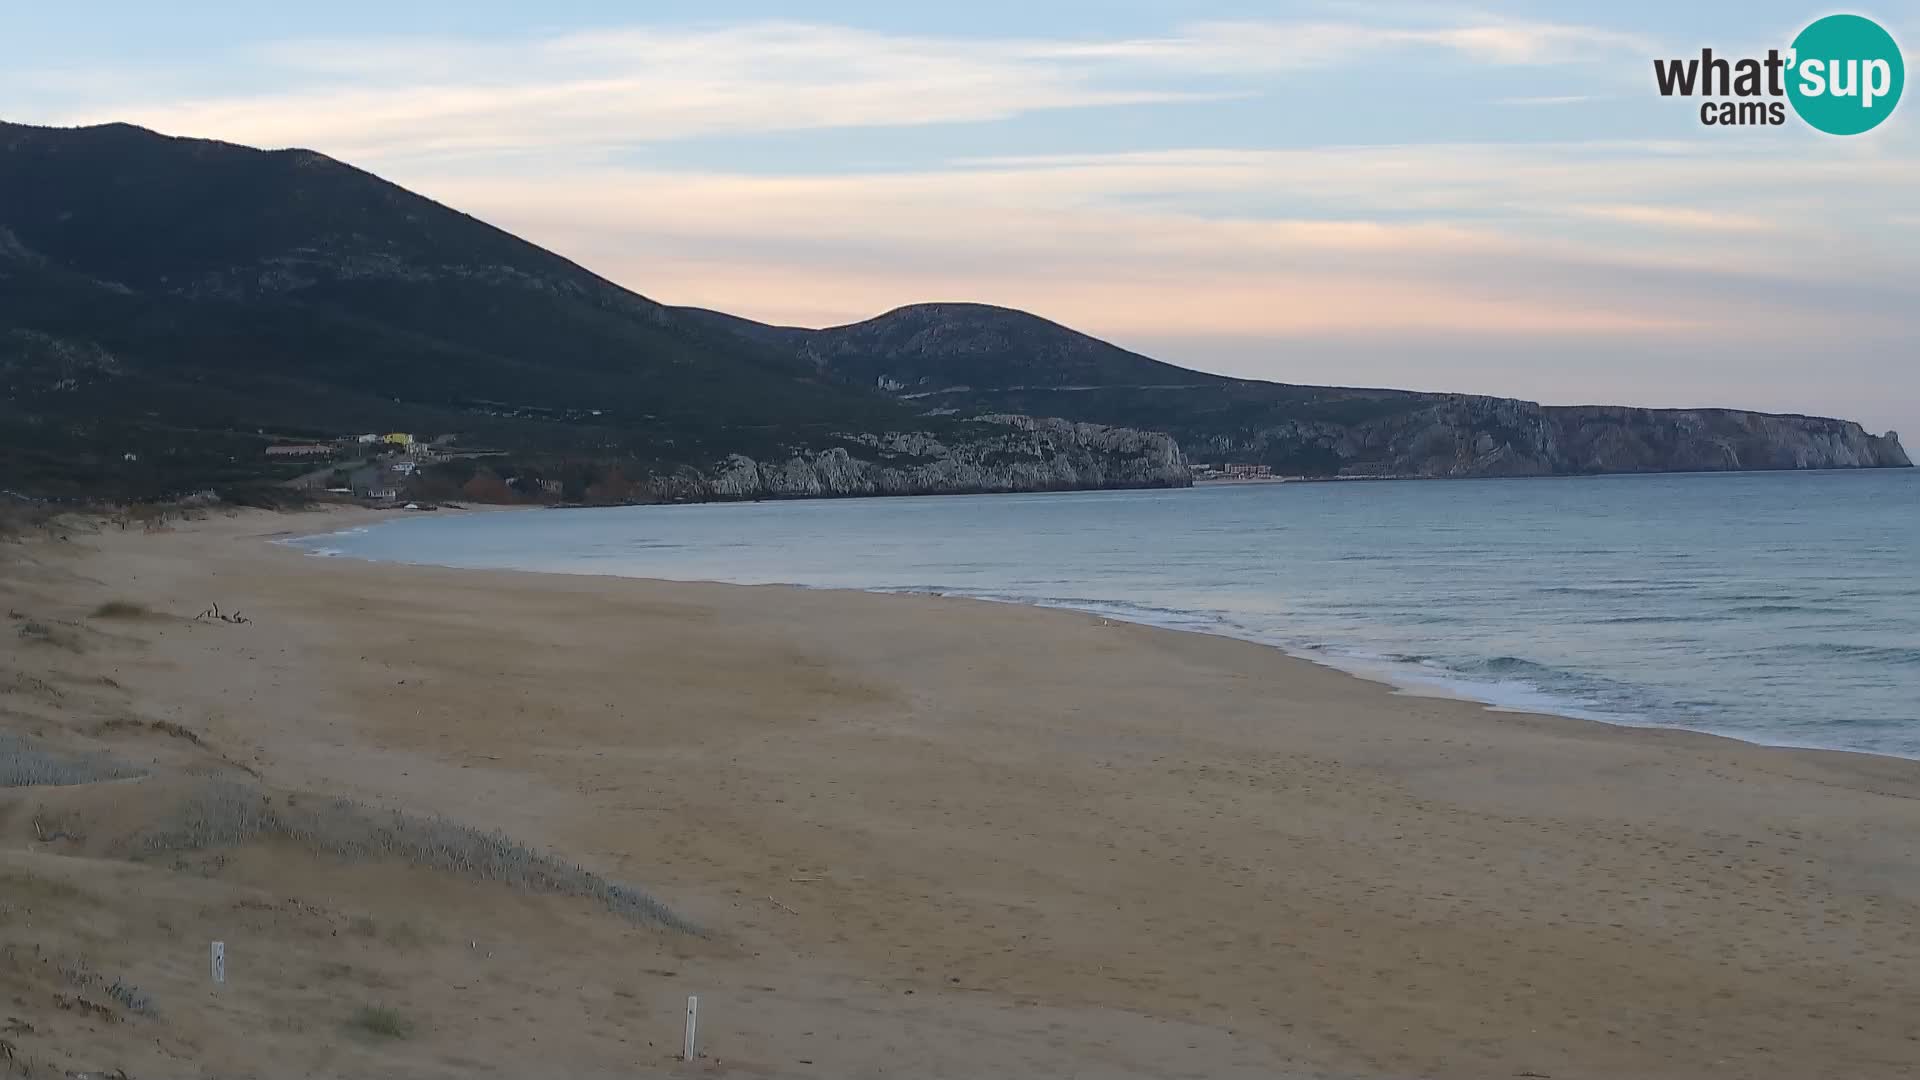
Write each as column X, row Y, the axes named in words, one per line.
column 217, row 960
column 693, row 1017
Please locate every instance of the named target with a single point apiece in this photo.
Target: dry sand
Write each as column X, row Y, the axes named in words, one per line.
column 927, row 837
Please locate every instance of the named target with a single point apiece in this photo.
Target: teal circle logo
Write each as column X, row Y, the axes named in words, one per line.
column 1847, row 75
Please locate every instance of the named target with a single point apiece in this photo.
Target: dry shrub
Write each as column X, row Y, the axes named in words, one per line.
column 23, row 764
column 229, row 814
column 35, row 632
column 121, row 609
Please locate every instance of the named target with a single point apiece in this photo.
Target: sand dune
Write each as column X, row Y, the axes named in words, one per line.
column 922, row 837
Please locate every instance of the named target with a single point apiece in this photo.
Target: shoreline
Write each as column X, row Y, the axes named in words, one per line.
column 1021, row 840
column 1381, row 671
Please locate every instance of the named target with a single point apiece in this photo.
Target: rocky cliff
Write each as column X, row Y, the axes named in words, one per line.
column 994, row 453
column 1461, row 435
column 1593, row 438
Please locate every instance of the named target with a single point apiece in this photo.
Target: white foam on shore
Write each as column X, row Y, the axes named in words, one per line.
column 311, row 543
column 1503, row 695
column 1420, row 679
column 1417, row 679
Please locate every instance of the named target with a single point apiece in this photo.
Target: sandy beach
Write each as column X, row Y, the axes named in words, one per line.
column 922, row 837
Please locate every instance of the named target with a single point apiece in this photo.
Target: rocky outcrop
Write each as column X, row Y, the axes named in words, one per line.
column 1002, row 453
column 1608, row 439
column 1464, row 435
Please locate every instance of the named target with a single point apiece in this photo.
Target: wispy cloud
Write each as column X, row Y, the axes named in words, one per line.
column 581, row 93
column 1541, row 189
column 1563, row 99
column 1386, row 242
column 1681, row 217
column 1272, row 45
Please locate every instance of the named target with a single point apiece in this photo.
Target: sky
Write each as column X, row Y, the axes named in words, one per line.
column 1488, row 199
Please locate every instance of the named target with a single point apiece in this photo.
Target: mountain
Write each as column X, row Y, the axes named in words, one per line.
column 169, row 307
column 929, row 348
column 966, row 358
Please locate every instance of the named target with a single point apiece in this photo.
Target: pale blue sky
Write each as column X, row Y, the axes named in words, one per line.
column 1489, row 198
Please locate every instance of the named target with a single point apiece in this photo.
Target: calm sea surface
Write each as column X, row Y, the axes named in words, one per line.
column 1775, row 607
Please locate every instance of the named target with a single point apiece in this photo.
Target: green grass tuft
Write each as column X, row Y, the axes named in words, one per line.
column 380, row 1021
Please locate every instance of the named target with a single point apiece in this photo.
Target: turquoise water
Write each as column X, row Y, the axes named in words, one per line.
column 1774, row 607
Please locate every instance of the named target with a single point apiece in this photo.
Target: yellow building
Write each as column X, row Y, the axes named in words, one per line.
column 399, row 438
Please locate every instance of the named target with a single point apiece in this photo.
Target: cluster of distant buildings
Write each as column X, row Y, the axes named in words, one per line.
column 1230, row 471
column 379, row 480
column 401, row 439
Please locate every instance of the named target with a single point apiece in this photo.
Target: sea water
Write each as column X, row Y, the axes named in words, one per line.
column 1779, row 608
